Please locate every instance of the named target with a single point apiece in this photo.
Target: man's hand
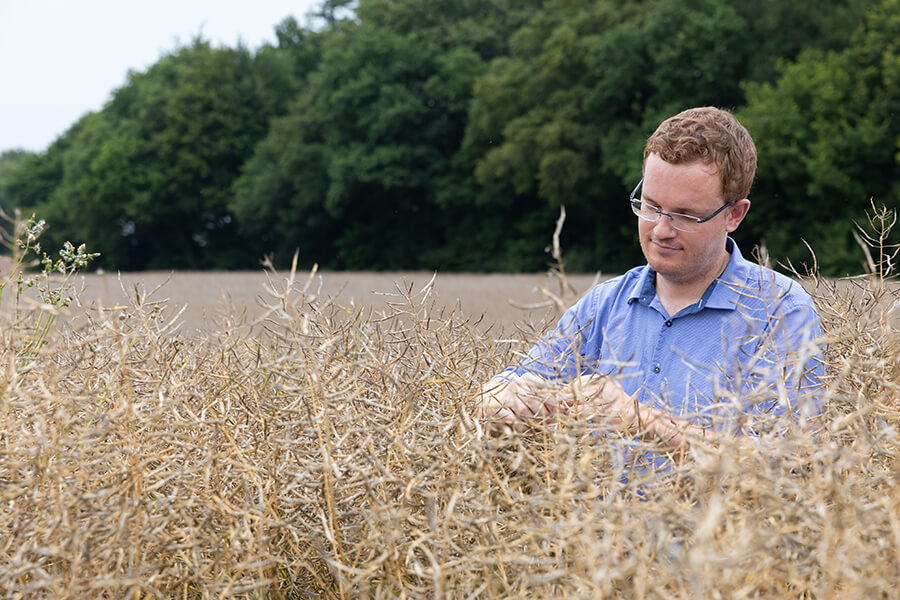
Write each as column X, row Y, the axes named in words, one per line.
column 600, row 398
column 529, row 398
column 517, row 401
column 525, row 400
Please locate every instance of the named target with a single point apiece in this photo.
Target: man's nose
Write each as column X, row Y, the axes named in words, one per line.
column 663, row 227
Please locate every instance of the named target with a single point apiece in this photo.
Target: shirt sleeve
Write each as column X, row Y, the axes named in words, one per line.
column 788, row 365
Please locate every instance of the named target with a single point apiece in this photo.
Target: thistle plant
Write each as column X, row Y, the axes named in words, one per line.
column 22, row 240
column 52, row 292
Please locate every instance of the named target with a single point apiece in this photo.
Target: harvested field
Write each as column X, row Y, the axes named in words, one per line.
column 503, row 300
column 202, row 300
column 281, row 444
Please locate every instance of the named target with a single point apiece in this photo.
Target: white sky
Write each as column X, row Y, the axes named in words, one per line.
column 60, row 59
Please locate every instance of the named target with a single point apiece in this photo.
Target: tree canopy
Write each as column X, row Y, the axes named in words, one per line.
column 445, row 134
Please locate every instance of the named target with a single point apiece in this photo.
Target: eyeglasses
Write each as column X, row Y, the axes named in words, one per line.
column 678, row 221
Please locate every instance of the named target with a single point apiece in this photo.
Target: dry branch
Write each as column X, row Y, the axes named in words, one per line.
column 335, row 457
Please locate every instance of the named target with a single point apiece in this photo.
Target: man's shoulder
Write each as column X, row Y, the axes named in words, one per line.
column 775, row 285
column 610, row 293
column 625, row 285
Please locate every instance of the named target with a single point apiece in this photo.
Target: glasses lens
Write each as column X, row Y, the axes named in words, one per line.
column 643, row 210
column 684, row 223
column 651, row 213
column 637, row 208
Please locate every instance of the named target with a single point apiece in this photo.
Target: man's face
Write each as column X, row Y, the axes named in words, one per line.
column 693, row 189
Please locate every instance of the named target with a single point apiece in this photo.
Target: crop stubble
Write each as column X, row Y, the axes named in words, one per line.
column 328, row 451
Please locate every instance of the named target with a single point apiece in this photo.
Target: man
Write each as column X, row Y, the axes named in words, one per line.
column 698, row 343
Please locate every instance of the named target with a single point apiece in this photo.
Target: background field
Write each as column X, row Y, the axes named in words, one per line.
column 504, row 300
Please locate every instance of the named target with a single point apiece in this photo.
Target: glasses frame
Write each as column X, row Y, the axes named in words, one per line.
column 637, row 204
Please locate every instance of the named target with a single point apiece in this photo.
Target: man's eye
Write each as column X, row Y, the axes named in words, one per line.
column 682, row 217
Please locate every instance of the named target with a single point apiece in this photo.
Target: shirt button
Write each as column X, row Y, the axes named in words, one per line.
column 656, row 369
column 669, row 323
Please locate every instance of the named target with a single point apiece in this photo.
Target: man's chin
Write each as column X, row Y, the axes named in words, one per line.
column 662, row 263
column 668, row 269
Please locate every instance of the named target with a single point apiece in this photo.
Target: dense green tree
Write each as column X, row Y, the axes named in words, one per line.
column 335, row 11
column 10, row 161
column 82, row 208
column 781, row 30
column 350, row 164
column 282, row 69
column 483, row 26
column 32, row 182
column 147, row 179
column 447, row 133
column 563, row 119
column 828, row 134
column 365, row 170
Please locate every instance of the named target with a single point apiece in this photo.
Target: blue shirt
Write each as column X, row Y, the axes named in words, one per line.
column 746, row 349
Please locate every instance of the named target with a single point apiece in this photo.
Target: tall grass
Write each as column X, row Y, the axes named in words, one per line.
column 333, row 455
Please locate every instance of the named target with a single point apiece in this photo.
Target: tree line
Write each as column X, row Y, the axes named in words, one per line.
column 446, row 134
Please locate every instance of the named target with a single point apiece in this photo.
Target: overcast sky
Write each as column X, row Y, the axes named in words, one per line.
column 62, row 58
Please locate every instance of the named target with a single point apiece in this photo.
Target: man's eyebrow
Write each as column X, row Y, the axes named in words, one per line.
column 682, row 211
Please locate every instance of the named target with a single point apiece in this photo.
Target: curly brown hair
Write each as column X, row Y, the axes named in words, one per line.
column 712, row 136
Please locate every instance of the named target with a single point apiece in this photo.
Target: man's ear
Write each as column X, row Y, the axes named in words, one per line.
column 736, row 214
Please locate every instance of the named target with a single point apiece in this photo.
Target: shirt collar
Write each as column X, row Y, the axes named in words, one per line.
column 722, row 293
column 644, row 289
column 725, row 291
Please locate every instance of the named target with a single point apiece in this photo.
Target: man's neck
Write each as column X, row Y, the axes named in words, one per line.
column 675, row 296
